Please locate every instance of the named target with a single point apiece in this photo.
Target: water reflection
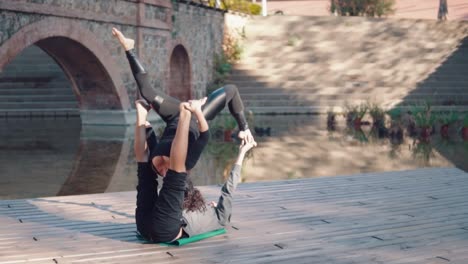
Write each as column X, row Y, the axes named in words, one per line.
column 51, row 157
column 309, row 146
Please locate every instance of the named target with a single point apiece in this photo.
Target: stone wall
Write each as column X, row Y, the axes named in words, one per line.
column 202, row 40
column 156, row 25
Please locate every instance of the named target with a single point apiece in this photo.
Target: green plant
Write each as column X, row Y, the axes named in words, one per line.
column 255, row 9
column 465, row 120
column 377, row 113
column 350, row 114
column 447, row 118
column 221, row 70
column 424, row 119
column 361, row 110
column 370, row 8
column 222, row 152
column 396, row 130
column 291, row 174
column 423, row 150
column 293, row 40
column 222, row 63
column 358, row 134
column 232, row 48
column 242, row 6
column 220, row 124
column 356, row 112
column 423, row 116
column 222, row 67
column 229, row 123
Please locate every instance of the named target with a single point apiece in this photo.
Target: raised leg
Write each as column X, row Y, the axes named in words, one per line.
column 167, row 211
column 217, row 101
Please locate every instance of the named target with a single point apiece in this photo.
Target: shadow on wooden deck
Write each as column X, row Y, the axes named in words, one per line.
column 418, row 216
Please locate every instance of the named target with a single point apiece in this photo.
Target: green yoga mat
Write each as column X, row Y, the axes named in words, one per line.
column 184, row 241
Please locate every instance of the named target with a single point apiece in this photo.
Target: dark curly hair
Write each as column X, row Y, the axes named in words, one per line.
column 193, row 199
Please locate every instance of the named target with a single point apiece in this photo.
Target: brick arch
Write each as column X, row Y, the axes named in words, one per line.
column 180, row 73
column 87, row 63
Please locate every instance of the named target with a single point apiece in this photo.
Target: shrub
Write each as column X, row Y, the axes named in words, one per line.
column 377, row 113
column 370, row 8
column 255, row 9
column 231, row 47
column 465, row 120
column 221, row 70
column 423, row 116
column 242, row 6
column 447, row 118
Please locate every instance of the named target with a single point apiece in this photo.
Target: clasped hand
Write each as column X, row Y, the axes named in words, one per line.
column 194, row 106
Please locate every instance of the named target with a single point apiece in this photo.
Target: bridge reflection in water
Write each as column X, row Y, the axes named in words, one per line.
column 53, row 157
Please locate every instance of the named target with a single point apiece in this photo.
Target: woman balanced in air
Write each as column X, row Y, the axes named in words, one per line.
column 178, row 210
column 168, row 109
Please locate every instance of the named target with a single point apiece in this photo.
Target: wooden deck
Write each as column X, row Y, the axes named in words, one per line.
column 418, row 216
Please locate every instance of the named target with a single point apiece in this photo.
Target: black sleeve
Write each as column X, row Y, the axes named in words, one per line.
column 196, row 149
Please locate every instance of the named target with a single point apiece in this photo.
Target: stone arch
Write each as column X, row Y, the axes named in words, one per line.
column 180, row 74
column 93, row 73
column 89, row 66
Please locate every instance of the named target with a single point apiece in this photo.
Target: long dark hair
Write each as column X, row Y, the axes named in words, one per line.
column 193, row 199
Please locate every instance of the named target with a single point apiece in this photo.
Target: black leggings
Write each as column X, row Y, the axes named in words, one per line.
column 168, row 107
column 158, row 216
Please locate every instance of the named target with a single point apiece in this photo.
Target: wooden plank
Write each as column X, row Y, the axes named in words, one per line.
column 346, row 219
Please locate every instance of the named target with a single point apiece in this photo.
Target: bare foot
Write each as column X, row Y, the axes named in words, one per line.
column 196, row 105
column 126, row 43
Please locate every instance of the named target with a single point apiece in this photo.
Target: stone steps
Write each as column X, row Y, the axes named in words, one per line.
column 356, row 100
column 315, row 62
column 34, row 91
column 38, row 105
column 439, row 78
column 39, row 113
column 345, row 24
column 34, row 85
column 37, row 98
column 313, row 96
column 398, row 91
column 304, row 85
column 278, row 110
column 288, row 110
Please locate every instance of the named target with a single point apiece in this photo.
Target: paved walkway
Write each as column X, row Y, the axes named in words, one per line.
column 416, row 9
column 417, row 216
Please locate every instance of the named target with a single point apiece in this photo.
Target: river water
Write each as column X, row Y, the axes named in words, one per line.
column 50, row 157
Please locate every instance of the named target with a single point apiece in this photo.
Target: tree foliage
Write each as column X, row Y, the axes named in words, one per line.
column 369, row 8
column 242, row 6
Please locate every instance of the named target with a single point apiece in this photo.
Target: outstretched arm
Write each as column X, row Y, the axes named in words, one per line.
column 244, row 148
column 180, row 142
column 197, row 146
column 224, row 205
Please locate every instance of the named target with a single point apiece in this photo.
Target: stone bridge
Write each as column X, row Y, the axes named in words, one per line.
column 175, row 41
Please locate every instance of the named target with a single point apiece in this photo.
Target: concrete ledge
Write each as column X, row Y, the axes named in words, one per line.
column 113, row 117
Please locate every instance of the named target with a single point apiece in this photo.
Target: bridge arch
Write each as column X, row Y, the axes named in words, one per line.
column 180, row 73
column 89, row 66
